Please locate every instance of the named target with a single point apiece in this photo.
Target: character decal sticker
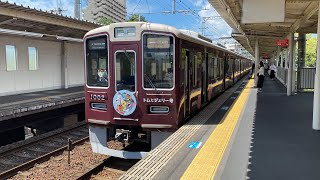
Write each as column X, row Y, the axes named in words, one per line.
column 124, row 102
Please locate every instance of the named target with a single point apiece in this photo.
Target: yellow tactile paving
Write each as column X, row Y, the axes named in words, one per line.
column 206, row 162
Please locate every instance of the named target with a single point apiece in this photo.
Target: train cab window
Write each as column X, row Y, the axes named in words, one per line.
column 126, row 70
column 97, row 62
column 158, row 65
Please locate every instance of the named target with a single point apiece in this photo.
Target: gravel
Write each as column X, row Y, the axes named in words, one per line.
column 108, row 173
column 82, row 159
column 58, row 167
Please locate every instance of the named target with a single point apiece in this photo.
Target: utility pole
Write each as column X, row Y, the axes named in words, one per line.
column 59, row 9
column 173, row 6
column 77, row 8
column 204, row 20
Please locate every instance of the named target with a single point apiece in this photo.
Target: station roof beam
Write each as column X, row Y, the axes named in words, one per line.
column 20, row 18
column 299, row 16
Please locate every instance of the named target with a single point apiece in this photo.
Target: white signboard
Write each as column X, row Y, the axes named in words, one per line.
column 263, row 11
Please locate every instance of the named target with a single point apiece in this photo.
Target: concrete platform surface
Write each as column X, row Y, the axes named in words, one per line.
column 284, row 144
column 273, row 139
column 39, row 94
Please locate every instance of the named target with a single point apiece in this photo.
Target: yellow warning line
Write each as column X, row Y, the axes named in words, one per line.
column 205, row 164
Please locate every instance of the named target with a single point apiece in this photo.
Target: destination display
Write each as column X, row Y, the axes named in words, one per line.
column 158, row 43
column 97, row 44
column 122, row 32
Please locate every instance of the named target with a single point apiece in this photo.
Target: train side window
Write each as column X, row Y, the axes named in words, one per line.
column 221, row 67
column 158, row 61
column 11, row 58
column 215, row 67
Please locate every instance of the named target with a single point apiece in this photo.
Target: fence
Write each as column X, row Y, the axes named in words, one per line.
column 305, row 78
column 304, row 81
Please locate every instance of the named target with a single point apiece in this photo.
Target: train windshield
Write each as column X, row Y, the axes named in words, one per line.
column 158, row 67
column 97, row 62
column 126, row 70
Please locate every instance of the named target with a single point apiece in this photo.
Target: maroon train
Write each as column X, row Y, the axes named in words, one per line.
column 144, row 79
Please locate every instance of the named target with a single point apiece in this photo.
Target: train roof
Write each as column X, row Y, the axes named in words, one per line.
column 143, row 26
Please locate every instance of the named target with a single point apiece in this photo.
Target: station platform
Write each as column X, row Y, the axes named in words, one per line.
column 243, row 134
column 21, row 105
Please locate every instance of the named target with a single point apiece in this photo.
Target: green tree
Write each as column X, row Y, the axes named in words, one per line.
column 135, row 18
column 104, row 21
column 311, row 49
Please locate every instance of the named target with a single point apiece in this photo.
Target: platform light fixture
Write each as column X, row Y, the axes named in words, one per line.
column 20, row 33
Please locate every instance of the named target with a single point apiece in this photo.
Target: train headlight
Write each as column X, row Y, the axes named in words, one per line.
column 159, row 109
column 99, row 106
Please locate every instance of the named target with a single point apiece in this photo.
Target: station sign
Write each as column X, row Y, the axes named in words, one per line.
column 265, row 56
column 282, row 42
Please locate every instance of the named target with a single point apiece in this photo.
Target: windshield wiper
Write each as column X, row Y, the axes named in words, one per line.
column 150, row 82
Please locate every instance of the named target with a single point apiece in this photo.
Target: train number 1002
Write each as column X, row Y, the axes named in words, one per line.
column 97, row 97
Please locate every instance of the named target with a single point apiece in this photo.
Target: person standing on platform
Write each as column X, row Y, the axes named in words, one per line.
column 252, row 67
column 260, row 76
column 252, row 70
column 273, row 70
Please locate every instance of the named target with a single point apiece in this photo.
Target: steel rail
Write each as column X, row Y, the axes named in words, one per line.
column 26, row 165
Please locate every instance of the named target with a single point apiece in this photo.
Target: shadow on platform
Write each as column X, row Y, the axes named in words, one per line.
column 284, row 144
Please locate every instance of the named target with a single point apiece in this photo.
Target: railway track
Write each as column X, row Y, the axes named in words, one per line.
column 25, row 155
column 111, row 164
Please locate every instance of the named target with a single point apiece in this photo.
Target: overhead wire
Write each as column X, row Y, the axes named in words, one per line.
column 135, row 7
column 148, row 5
column 198, row 16
column 224, row 23
column 183, row 5
column 168, row 4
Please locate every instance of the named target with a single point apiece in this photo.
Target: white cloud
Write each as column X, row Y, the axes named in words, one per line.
column 198, row 3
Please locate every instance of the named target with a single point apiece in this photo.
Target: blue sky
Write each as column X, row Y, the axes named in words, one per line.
column 192, row 21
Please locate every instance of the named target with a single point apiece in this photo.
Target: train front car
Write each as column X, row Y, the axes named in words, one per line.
column 130, row 86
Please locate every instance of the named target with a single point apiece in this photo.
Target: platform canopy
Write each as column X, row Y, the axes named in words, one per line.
column 20, row 18
column 268, row 21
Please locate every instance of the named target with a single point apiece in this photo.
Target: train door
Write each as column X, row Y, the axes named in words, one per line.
column 125, row 80
column 240, row 67
column 204, row 79
column 187, row 84
column 225, row 71
column 233, row 70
